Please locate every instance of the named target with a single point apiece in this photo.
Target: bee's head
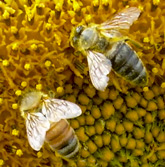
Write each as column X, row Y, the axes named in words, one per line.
column 83, row 37
column 79, row 29
column 30, row 101
column 75, row 35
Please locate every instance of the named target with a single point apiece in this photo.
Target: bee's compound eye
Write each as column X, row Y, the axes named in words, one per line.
column 79, row 29
column 75, row 40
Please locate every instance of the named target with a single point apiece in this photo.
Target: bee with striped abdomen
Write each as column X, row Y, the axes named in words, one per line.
column 46, row 121
column 106, row 48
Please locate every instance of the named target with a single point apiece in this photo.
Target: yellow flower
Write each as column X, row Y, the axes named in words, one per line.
column 36, row 54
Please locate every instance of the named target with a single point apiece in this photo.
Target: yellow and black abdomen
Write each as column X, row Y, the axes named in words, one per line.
column 126, row 63
column 61, row 138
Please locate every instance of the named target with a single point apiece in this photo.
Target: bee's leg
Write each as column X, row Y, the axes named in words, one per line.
column 118, row 39
column 134, row 42
column 124, row 39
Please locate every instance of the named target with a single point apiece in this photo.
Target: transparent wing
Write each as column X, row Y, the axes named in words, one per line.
column 111, row 33
column 36, row 127
column 99, row 68
column 57, row 109
column 122, row 20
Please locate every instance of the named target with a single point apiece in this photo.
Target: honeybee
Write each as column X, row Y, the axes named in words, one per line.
column 106, row 48
column 46, row 121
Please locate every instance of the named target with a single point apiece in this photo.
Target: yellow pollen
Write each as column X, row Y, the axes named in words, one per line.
column 19, row 152
column 163, row 85
column 48, row 26
column 15, row 132
column 39, row 154
column 29, row 15
column 18, row 92
column 39, row 86
column 1, row 161
column 60, row 89
column 41, row 5
column 95, row 3
column 105, row 2
column 58, row 7
column 15, row 46
column 34, row 47
column 23, row 83
column 145, row 89
column 11, row 10
column 27, row 66
column 88, row 18
column 14, row 29
column 14, row 106
column 140, row 7
column 48, row 63
column 58, row 40
column 155, row 70
column 6, row 15
column 146, row 39
column 1, row 100
column 5, row 63
column 76, row 6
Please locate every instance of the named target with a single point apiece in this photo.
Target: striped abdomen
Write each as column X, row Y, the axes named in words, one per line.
column 61, row 138
column 127, row 64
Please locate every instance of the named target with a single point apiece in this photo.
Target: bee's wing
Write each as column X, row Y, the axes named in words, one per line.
column 57, row 109
column 99, row 68
column 122, row 20
column 36, row 127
